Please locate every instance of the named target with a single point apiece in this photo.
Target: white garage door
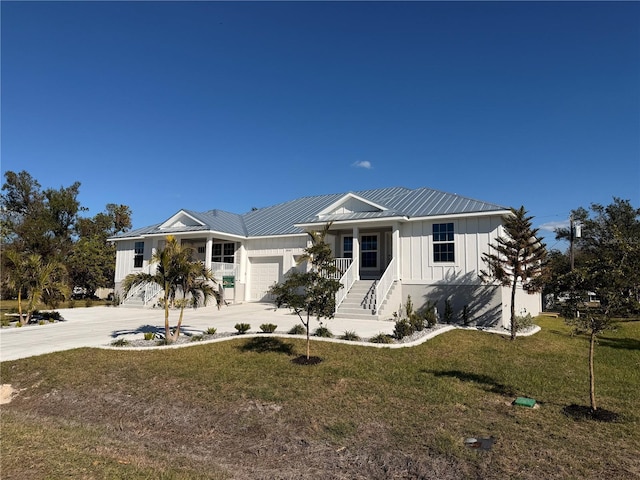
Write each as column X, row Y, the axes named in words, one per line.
column 264, row 272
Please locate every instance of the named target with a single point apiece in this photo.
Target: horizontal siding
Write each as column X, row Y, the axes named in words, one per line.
column 275, row 246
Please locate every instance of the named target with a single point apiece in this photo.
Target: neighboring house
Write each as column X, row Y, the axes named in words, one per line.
column 388, row 243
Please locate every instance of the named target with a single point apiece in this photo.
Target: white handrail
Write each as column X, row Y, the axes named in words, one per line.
column 151, row 291
column 221, row 269
column 134, row 291
column 384, row 284
column 347, row 280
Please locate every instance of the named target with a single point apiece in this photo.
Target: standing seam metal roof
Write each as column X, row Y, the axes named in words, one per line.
column 281, row 219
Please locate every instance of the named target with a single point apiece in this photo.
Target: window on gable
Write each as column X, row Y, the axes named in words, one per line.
column 138, row 254
column 443, row 244
column 223, row 252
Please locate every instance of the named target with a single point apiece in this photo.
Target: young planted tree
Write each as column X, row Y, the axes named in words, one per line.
column 176, row 272
column 607, row 265
column 311, row 293
column 516, row 259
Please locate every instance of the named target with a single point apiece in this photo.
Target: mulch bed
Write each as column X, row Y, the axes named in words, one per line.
column 583, row 412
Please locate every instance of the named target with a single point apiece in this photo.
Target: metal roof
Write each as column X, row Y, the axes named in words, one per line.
column 282, row 219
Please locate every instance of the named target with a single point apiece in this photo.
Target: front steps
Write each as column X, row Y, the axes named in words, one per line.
column 360, row 302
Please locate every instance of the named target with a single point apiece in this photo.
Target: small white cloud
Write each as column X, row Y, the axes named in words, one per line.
column 552, row 226
column 362, row 164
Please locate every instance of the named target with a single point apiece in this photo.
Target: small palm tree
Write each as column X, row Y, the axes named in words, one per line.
column 45, row 280
column 15, row 271
column 176, row 271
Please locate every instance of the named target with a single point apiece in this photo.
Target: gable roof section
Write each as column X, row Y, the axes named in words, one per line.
column 283, row 218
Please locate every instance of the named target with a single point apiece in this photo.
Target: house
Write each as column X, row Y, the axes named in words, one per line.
column 389, row 243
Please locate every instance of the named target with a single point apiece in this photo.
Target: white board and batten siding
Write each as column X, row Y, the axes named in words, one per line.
column 472, row 237
column 269, row 260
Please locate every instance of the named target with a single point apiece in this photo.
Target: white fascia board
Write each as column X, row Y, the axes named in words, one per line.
column 122, row 239
column 258, row 237
column 174, row 217
column 348, row 223
column 458, row 215
column 198, row 233
column 344, row 198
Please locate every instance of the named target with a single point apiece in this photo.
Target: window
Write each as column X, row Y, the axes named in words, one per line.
column 443, row 244
column 347, row 247
column 138, row 254
column 223, row 252
column 201, row 249
column 369, row 251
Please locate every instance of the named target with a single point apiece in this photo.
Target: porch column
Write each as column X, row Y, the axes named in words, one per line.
column 152, row 268
column 395, row 248
column 207, row 252
column 355, row 253
column 242, row 270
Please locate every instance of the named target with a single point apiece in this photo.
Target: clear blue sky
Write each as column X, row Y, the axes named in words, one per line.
column 170, row 105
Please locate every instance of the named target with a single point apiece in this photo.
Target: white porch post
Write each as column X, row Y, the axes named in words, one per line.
column 154, row 248
column 243, row 274
column 355, row 252
column 207, row 252
column 395, row 248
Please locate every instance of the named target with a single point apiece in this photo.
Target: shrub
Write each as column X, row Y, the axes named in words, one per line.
column 448, row 311
column 51, row 315
column 428, row 313
column 403, row 328
column 121, row 342
column 351, row 336
column 323, row 332
column 297, row 330
column 149, row 335
column 197, row 338
column 5, row 322
column 211, row 330
column 268, row 327
column 465, row 315
column 524, row 322
column 381, row 338
column 242, row 328
column 42, row 322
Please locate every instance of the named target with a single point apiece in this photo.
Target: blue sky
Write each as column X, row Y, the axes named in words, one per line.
column 201, row 105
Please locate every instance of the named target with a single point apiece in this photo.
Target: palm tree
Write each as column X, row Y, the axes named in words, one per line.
column 15, row 270
column 41, row 281
column 175, row 271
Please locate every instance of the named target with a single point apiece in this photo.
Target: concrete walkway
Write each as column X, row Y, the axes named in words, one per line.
column 99, row 326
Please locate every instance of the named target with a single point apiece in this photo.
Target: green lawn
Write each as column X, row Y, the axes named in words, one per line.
column 243, row 409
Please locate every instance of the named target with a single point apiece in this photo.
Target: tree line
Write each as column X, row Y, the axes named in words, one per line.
column 48, row 247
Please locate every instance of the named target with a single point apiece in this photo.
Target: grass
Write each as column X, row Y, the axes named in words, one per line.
column 242, row 409
column 11, row 306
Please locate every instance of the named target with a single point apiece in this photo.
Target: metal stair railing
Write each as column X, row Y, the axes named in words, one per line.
column 347, row 280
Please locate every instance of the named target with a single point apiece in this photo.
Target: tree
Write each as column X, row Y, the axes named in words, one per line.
column 312, row 292
column 40, row 280
column 607, row 265
column 517, row 259
column 176, row 271
column 92, row 262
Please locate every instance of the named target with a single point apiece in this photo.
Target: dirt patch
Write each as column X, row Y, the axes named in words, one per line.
column 6, row 393
column 303, row 360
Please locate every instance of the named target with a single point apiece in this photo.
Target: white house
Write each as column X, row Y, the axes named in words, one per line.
column 388, row 243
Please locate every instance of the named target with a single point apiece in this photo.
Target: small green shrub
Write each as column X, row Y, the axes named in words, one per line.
column 121, row 342
column 149, row 335
column 465, row 315
column 42, row 322
column 242, row 328
column 298, row 330
column 51, row 315
column 5, row 322
column 524, row 322
column 197, row 338
column 403, row 328
column 268, row 327
column 351, row 336
column 381, row 338
column 323, row 332
column 18, row 325
column 211, row 330
column 448, row 311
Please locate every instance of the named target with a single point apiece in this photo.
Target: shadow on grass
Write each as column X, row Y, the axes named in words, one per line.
column 486, row 382
column 624, row 343
column 267, row 344
column 159, row 331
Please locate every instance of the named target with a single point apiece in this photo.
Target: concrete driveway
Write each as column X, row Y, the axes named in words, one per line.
column 99, row 326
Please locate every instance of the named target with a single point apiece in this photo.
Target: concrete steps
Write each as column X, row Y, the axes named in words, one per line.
column 360, row 302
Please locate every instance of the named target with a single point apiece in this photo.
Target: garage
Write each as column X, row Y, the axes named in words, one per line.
column 263, row 272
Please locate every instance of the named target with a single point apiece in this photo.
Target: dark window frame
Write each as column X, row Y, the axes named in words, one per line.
column 444, row 246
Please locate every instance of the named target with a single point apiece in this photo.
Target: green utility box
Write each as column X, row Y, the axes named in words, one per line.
column 525, row 402
column 228, row 281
